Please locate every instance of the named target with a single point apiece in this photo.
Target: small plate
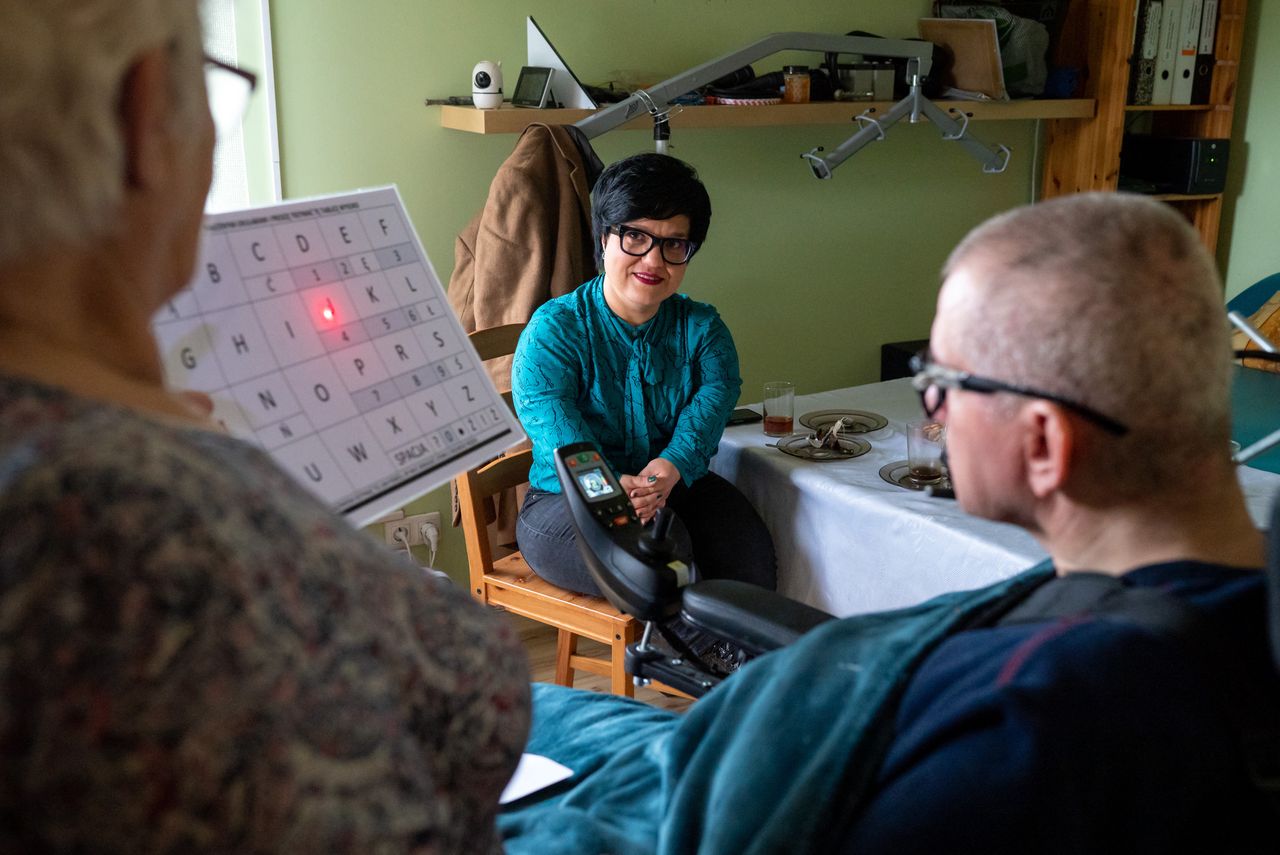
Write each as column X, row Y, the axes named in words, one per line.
column 899, row 473
column 856, row 421
column 798, row 446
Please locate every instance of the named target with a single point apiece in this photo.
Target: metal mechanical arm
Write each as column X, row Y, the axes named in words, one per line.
column 914, row 107
column 656, row 100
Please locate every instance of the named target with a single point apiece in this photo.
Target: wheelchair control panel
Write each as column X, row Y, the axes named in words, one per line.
column 638, row 569
column 647, row 572
column 598, row 487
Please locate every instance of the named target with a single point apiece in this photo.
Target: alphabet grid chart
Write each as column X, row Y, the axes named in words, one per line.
column 323, row 335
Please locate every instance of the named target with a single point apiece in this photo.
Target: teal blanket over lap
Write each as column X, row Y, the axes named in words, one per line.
column 772, row 760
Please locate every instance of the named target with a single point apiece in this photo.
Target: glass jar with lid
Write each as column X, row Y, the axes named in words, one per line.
column 795, row 84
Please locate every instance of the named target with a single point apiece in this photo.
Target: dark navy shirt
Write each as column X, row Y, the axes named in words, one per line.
column 1080, row 734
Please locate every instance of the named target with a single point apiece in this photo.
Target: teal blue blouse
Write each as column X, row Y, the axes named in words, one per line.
column 664, row 388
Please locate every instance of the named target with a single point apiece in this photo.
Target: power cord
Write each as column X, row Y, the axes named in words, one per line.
column 431, row 539
column 401, row 536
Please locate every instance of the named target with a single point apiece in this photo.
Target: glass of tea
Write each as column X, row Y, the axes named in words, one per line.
column 779, row 408
column 925, row 439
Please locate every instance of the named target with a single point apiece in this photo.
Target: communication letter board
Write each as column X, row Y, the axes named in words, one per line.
column 323, row 335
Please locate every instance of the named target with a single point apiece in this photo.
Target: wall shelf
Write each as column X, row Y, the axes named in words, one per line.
column 1167, row 108
column 510, row 120
column 1187, row 197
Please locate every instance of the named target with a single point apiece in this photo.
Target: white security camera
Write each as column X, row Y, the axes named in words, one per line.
column 486, row 85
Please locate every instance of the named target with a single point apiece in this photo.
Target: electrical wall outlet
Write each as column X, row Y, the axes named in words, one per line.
column 410, row 527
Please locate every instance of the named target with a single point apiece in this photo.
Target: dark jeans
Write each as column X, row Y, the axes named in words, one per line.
column 729, row 539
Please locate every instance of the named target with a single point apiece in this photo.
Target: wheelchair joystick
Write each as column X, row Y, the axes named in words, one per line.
column 657, row 542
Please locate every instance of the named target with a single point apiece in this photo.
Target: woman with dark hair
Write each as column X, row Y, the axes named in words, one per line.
column 646, row 373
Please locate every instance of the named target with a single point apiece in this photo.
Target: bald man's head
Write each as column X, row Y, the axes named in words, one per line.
column 1109, row 300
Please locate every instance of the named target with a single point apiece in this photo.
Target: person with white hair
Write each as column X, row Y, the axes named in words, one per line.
column 195, row 654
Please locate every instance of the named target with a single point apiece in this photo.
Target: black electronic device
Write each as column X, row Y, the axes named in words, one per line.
column 533, row 89
column 1190, row 165
column 744, row 416
column 645, row 569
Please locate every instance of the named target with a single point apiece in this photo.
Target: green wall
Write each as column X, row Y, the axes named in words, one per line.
column 1249, row 246
column 811, row 276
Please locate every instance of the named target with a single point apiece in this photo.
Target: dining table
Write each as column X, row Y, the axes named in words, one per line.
column 848, row 541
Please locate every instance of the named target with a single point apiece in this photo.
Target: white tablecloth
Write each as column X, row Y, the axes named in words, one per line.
column 849, row 542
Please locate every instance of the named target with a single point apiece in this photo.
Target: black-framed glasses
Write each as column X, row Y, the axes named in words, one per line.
column 229, row 89
column 932, row 381
column 638, row 242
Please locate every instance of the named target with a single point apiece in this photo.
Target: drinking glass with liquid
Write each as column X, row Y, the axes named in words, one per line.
column 925, row 439
column 779, row 408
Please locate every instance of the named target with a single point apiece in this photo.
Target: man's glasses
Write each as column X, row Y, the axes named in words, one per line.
column 229, row 89
column 638, row 242
column 932, row 381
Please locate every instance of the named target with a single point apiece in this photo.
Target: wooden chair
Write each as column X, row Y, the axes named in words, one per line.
column 510, row 584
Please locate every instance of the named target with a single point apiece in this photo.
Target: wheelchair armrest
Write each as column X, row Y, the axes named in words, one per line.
column 755, row 619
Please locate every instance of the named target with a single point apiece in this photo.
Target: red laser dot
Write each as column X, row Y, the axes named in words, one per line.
column 327, row 311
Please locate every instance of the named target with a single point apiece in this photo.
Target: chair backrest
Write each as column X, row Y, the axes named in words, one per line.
column 495, row 342
column 1251, row 299
column 475, row 487
column 485, row 482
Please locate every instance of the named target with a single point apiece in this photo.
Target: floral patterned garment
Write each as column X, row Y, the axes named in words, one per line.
column 196, row 655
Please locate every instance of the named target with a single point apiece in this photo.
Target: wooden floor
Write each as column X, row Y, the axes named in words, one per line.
column 540, row 642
